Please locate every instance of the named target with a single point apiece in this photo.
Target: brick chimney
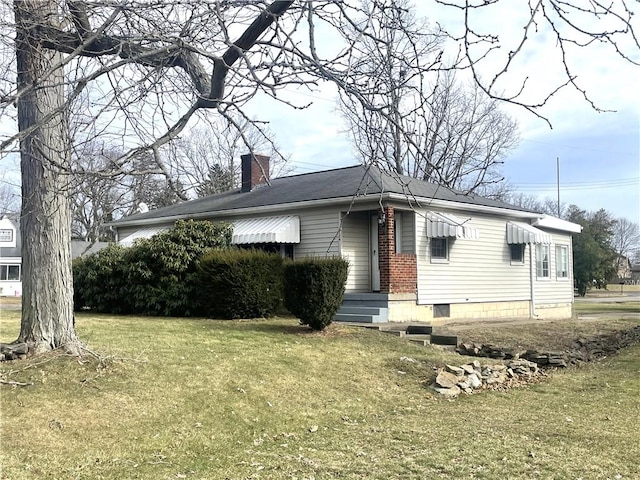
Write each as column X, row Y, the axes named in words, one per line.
column 255, row 171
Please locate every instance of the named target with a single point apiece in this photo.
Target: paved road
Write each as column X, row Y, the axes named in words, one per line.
column 613, row 298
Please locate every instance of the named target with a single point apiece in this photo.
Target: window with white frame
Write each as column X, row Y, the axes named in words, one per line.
column 562, row 261
column 10, row 272
column 439, row 249
column 6, row 235
column 542, row 260
column 517, row 253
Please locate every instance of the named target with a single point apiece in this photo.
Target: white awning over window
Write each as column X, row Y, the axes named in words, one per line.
column 518, row 232
column 266, row 230
column 142, row 233
column 447, row 225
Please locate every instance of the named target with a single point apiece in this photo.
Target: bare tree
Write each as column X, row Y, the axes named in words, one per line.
column 424, row 123
column 157, row 66
column 625, row 240
column 536, row 204
column 206, row 159
column 94, row 193
column 9, row 195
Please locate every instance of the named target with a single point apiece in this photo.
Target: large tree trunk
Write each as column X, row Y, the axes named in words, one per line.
column 47, row 292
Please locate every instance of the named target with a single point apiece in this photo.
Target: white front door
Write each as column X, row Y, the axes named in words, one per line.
column 373, row 248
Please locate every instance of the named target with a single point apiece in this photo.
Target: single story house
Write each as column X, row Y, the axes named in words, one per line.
column 10, row 258
column 11, row 255
column 417, row 251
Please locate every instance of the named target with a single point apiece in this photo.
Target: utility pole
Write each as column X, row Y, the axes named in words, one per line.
column 558, row 182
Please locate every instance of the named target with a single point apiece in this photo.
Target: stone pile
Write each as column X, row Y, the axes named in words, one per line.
column 13, row 351
column 451, row 381
column 581, row 350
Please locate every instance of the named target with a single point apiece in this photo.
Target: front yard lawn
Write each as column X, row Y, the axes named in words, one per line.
column 203, row 399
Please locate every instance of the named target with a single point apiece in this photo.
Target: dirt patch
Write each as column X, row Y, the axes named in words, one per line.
column 548, row 335
column 581, row 350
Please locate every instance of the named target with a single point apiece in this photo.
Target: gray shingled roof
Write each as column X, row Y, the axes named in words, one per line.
column 346, row 182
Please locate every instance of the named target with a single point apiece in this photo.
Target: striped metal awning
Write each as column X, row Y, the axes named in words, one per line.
column 266, row 230
column 446, row 225
column 142, row 233
column 518, row 232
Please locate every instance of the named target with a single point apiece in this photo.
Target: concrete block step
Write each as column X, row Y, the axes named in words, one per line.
column 365, row 303
column 389, row 331
column 419, row 330
column 444, row 340
column 423, row 340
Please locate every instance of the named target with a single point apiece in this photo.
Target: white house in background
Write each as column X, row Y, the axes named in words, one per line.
column 417, row 251
column 10, row 258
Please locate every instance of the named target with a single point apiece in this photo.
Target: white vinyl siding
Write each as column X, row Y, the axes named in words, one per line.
column 552, row 290
column 478, row 270
column 319, row 233
column 355, row 249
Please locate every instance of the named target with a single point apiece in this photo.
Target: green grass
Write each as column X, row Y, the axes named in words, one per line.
column 201, row 399
column 609, row 307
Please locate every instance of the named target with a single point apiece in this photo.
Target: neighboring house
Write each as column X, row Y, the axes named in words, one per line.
column 11, row 255
column 417, row 251
column 623, row 269
column 10, row 258
column 635, row 274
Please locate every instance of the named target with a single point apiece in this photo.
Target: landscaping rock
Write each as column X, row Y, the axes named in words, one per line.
column 468, row 368
column 473, row 376
column 451, row 392
column 455, row 370
column 474, row 381
column 446, row 379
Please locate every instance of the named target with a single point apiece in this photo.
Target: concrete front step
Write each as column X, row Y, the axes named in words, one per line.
column 357, row 318
column 362, row 314
column 360, row 310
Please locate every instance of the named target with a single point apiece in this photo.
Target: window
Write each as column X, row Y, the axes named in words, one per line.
column 6, row 235
column 439, row 249
column 542, row 261
column 10, row 272
column 397, row 231
column 562, row 261
column 441, row 310
column 517, row 252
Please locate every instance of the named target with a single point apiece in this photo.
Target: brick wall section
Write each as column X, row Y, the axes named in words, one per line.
column 398, row 271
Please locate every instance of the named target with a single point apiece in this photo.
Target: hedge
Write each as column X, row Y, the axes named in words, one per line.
column 240, row 283
column 314, row 289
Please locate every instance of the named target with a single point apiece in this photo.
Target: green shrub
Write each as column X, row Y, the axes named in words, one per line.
column 313, row 289
column 155, row 276
column 240, row 283
column 99, row 281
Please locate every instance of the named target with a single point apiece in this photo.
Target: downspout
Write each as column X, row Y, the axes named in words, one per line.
column 532, row 309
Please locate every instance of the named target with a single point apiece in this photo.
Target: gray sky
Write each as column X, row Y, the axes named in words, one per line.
column 598, row 152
